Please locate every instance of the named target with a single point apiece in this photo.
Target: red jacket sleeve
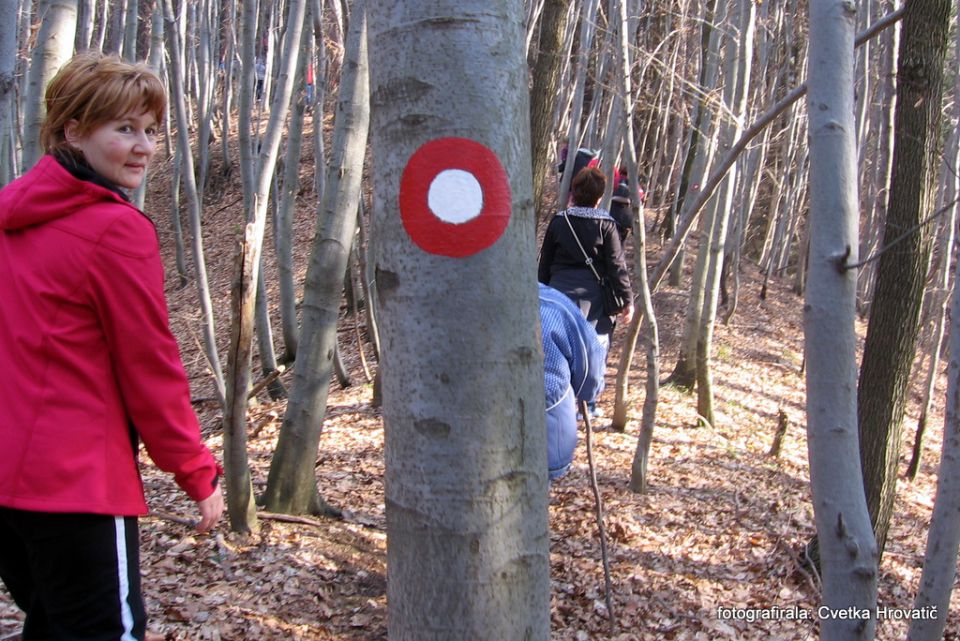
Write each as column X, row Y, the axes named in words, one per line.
column 127, row 289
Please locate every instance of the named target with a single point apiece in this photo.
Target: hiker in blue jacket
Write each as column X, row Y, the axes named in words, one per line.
column 573, row 370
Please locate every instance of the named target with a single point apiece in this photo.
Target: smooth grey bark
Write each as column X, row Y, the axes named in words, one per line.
column 8, row 79
column 265, row 352
column 58, row 28
column 246, row 106
column 131, row 18
column 698, row 156
column 848, row 552
column 101, row 23
column 364, row 252
column 229, row 28
column 206, row 56
column 283, row 225
column 291, row 484
column 85, row 16
column 943, row 538
column 626, row 24
column 113, row 30
column 466, row 484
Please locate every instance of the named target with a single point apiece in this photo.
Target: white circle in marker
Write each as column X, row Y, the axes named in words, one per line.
column 455, row 196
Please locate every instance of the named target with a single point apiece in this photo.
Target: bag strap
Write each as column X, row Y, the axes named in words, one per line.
column 587, row 259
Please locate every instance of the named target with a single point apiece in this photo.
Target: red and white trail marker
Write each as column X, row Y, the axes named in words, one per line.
column 454, row 197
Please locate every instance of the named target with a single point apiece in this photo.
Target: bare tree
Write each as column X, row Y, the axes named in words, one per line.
column 292, row 485
column 285, row 208
column 8, row 68
column 739, row 56
column 240, row 492
column 938, row 299
column 194, row 206
column 131, row 21
column 848, row 552
column 588, row 30
column 940, row 560
column 58, row 27
column 543, row 92
column 466, row 473
column 904, row 260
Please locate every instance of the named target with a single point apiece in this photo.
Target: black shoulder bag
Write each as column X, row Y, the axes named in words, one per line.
column 613, row 303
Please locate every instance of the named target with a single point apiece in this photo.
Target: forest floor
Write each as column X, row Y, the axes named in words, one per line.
column 722, row 525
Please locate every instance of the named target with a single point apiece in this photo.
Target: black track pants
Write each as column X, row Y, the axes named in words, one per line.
column 76, row 576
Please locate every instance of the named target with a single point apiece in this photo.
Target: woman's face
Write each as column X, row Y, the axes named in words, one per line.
column 118, row 150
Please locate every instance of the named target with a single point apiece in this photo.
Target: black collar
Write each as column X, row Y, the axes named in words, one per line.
column 79, row 169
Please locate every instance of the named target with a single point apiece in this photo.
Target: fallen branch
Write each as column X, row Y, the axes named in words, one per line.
column 290, row 518
column 266, row 380
column 173, row 518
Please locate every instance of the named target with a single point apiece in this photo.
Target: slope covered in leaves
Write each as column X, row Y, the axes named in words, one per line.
column 721, row 528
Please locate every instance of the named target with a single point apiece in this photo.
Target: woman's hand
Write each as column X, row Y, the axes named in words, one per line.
column 210, row 510
column 627, row 314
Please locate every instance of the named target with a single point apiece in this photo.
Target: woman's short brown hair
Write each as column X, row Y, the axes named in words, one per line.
column 587, row 187
column 93, row 88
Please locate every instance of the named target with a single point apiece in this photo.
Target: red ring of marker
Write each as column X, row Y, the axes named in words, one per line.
column 435, row 235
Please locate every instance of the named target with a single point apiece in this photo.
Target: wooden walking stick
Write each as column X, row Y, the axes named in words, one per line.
column 608, row 584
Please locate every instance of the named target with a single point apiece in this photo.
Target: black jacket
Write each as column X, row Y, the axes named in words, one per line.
column 563, row 267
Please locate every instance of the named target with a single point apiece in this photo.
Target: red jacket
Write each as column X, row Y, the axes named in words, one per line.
column 87, row 353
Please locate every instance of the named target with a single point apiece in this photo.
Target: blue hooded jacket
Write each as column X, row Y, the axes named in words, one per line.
column 573, row 361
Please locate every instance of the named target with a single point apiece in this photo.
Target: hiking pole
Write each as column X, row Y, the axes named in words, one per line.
column 608, row 589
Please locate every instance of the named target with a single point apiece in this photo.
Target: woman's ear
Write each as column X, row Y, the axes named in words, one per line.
column 70, row 133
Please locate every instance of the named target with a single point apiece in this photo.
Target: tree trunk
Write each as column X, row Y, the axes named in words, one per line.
column 85, row 20
column 283, row 225
column 698, row 154
column 588, row 29
column 266, row 353
column 58, row 27
column 739, row 55
column 131, row 21
column 949, row 188
column 466, row 471
column 194, row 206
column 292, row 484
column 8, row 78
column 940, row 559
column 619, row 419
column 902, row 270
column 640, row 465
column 239, row 495
column 543, row 93
column 847, row 549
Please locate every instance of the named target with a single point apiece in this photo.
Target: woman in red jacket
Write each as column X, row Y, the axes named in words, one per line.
column 91, row 365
